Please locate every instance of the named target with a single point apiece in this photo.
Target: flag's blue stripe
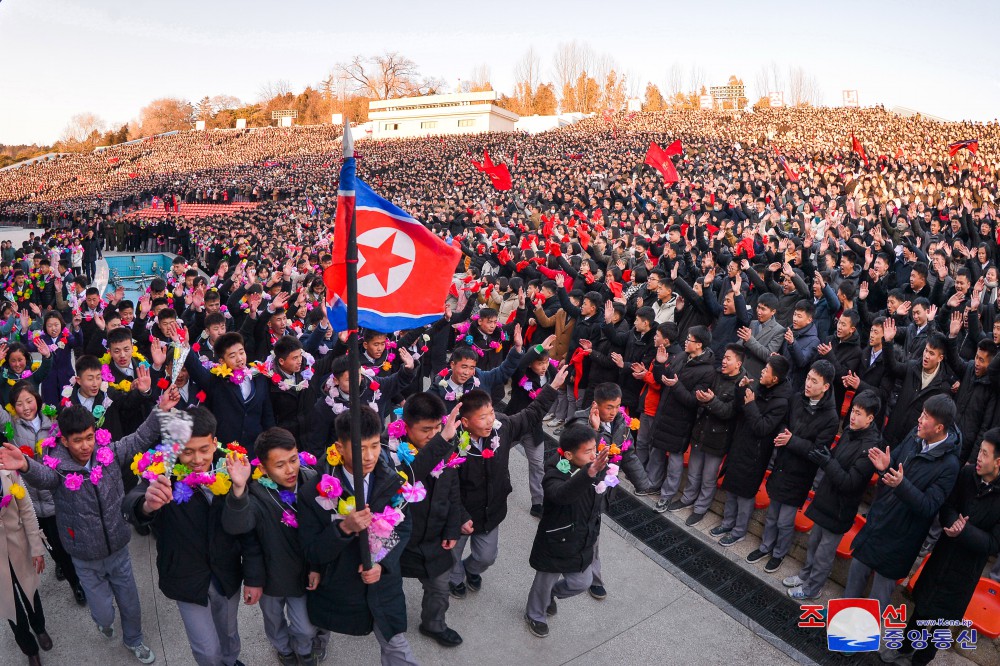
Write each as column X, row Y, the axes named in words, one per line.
column 372, row 319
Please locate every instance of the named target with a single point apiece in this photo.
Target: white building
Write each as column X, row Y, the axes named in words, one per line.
column 457, row 113
column 538, row 124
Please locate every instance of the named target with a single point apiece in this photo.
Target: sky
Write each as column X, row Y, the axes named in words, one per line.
column 111, row 57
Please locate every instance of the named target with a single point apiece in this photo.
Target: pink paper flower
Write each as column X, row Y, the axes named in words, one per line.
column 103, row 437
column 105, row 455
column 288, row 518
column 329, row 486
column 96, row 472
column 397, row 429
column 50, row 462
column 73, row 481
column 414, row 493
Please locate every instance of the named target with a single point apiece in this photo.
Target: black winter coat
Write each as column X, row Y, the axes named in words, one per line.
column 571, row 520
column 753, row 437
column 435, row 519
column 812, row 428
column 846, row 357
column 192, row 548
column 911, row 398
column 485, row 482
column 975, row 400
column 638, row 349
column 875, row 377
column 716, row 420
column 845, row 479
column 343, row 603
column 678, row 410
column 900, row 517
column 950, row 576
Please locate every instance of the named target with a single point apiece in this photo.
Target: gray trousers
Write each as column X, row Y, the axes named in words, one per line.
column 703, row 473
column 292, row 635
column 634, row 470
column 560, row 585
column 779, row 528
column 642, row 439
column 995, row 571
column 665, row 471
column 482, row 554
column 857, row 581
column 212, row 630
column 566, row 403
column 395, row 651
column 111, row 578
column 535, row 453
column 820, row 556
column 434, row 604
column 737, row 513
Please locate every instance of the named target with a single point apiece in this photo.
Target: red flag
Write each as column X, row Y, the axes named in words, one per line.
column 972, row 145
column 859, row 149
column 500, row 177
column 114, row 160
column 659, row 160
column 899, row 153
column 133, row 175
column 515, row 158
column 675, row 148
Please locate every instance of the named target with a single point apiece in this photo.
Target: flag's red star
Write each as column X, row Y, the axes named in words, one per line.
column 380, row 260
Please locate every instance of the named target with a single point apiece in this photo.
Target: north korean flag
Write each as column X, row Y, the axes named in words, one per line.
column 404, row 270
column 972, row 145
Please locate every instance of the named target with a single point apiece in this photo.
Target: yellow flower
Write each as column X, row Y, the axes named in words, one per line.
column 134, row 465
column 634, row 425
column 387, row 366
column 124, row 385
column 615, row 450
column 17, row 490
column 221, row 485
column 10, row 409
column 106, row 359
column 11, row 382
column 137, row 356
column 156, row 468
column 345, row 507
column 221, row 370
column 403, row 474
column 35, row 365
column 333, row 456
column 257, row 473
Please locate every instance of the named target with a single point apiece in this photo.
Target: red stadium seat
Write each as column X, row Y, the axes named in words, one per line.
column 916, row 574
column 762, row 501
column 844, row 549
column 803, row 524
column 984, row 609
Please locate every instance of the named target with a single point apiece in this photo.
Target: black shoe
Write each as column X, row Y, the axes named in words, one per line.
column 457, row 591
column 757, row 556
column 473, row 581
column 539, row 629
column 318, row 653
column 598, row 592
column 34, row 660
column 536, row 510
column 719, row 531
column 773, row 564
column 446, row 638
column 290, row 659
column 60, row 576
column 80, row 595
column 678, row 505
column 552, row 607
column 45, row 641
column 652, row 490
column 694, row 519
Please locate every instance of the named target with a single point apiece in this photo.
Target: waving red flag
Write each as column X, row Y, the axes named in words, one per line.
column 858, row 148
column 972, row 145
column 500, row 177
column 659, row 160
column 675, row 148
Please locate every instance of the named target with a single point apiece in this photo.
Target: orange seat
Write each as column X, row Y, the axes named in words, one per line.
column 687, row 456
column 874, row 479
column 848, row 398
column 761, row 500
column 844, row 548
column 803, row 524
column 984, row 609
column 916, row 574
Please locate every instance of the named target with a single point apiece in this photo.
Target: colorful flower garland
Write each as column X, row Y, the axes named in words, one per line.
column 459, row 391
column 151, row 464
column 105, row 456
column 610, row 476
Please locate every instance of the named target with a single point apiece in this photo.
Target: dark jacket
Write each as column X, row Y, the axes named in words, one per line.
column 950, row 576
column 801, row 354
column 571, row 520
column 812, row 428
column 845, row 355
column 911, row 397
column 486, row 380
column 845, row 479
column 192, row 549
column 343, row 603
column 753, row 437
column 900, row 517
column 259, row 511
column 875, row 377
column 638, row 348
column 975, row 400
column 485, row 482
column 435, row 519
column 713, row 431
column 678, row 411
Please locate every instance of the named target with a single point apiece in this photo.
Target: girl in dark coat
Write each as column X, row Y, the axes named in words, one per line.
column 61, row 340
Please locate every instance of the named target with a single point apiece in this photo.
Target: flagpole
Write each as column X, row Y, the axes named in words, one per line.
column 354, row 357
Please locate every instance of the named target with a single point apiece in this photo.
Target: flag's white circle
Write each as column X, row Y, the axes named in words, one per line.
column 372, row 241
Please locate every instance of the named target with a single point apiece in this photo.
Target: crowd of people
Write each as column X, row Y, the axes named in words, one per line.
column 792, row 315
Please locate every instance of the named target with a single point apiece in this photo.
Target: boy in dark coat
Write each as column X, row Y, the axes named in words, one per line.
column 350, row 600
column 437, row 521
column 846, row 473
column 916, row 478
column 812, row 424
column 267, row 508
column 566, row 539
column 763, row 413
column 949, row 578
column 199, row 565
column 462, row 374
column 484, row 477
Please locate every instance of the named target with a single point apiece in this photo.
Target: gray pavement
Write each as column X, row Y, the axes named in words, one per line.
column 648, row 617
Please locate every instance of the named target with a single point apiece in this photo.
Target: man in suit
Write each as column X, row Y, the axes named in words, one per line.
column 763, row 337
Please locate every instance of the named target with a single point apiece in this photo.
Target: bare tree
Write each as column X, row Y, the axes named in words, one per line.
column 570, row 59
column 382, row 76
column 803, row 88
column 225, row 102
column 696, row 79
column 527, row 77
column 675, row 81
column 272, row 89
column 81, row 127
column 481, row 78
